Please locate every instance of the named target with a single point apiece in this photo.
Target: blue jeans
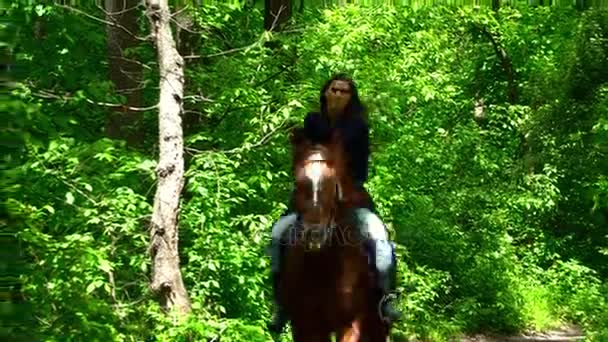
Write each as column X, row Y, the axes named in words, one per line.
column 371, row 228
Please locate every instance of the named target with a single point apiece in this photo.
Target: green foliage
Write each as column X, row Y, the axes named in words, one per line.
column 499, row 220
column 76, row 209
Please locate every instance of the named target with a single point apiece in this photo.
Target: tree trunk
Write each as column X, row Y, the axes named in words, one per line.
column 125, row 73
column 495, row 5
column 167, row 280
column 505, row 61
column 276, row 13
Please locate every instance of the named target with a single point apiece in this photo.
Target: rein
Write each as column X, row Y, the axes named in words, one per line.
column 317, row 228
column 318, row 164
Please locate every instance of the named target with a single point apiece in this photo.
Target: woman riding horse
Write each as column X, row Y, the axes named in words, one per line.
column 342, row 111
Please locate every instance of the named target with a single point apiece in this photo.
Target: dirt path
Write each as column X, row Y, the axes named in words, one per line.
column 566, row 334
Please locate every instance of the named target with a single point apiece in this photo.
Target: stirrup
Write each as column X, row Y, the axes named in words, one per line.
column 388, row 313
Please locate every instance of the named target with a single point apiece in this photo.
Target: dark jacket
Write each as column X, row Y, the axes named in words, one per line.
column 355, row 131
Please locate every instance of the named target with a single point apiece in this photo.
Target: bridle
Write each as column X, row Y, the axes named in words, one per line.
column 313, row 170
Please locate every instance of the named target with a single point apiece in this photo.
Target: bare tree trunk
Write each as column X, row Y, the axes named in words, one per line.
column 125, row 73
column 167, row 280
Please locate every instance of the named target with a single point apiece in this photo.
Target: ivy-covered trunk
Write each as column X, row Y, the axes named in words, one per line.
column 167, row 280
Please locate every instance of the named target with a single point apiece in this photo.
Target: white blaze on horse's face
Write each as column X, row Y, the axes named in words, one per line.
column 317, row 176
column 315, row 170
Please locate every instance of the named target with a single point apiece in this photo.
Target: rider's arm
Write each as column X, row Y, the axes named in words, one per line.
column 361, row 151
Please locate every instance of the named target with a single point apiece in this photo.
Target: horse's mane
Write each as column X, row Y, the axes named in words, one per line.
column 298, row 141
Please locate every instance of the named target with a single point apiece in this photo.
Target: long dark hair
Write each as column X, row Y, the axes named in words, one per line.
column 354, row 107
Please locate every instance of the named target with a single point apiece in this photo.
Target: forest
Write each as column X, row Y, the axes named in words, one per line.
column 146, row 158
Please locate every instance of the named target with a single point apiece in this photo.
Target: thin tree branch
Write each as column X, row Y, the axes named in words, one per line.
column 49, row 95
column 227, row 52
column 133, row 303
column 134, row 61
column 189, row 111
column 294, row 30
column 198, row 98
column 223, row 52
column 219, row 334
column 257, row 84
column 179, row 11
column 68, row 184
column 178, row 24
column 264, row 140
column 276, row 17
column 97, row 3
column 103, row 21
column 505, row 61
column 176, row 21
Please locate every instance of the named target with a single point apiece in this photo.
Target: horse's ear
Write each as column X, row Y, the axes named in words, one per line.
column 297, row 136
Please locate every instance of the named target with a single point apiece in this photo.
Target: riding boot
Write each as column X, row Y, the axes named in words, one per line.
column 279, row 319
column 386, row 280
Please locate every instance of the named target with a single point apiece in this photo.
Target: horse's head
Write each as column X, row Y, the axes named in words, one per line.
column 318, row 171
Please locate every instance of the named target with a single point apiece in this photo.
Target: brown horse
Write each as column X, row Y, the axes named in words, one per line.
column 326, row 286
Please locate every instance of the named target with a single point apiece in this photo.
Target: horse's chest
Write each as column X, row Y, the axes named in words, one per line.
column 350, row 282
column 328, row 280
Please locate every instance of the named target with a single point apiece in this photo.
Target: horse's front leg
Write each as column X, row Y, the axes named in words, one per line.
column 309, row 334
column 351, row 333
